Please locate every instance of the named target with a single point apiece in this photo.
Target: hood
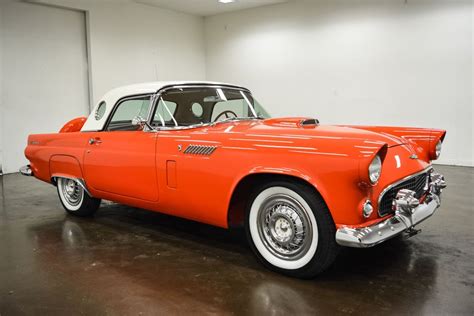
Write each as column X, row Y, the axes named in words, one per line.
column 305, row 126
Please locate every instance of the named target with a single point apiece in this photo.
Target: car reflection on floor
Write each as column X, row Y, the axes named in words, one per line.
column 126, row 262
column 131, row 261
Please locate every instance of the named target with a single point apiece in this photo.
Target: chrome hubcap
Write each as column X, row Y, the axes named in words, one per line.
column 72, row 192
column 284, row 227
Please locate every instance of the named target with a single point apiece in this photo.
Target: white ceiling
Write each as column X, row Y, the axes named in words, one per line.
column 207, row 7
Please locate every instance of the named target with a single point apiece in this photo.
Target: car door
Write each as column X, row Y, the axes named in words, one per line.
column 121, row 158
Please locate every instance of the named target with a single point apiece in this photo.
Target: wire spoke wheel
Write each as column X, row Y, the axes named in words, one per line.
column 284, row 226
column 75, row 199
column 72, row 192
column 290, row 229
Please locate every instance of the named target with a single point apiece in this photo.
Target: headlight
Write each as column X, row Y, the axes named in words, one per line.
column 438, row 149
column 375, row 169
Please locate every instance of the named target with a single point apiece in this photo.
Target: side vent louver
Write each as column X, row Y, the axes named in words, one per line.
column 200, row 150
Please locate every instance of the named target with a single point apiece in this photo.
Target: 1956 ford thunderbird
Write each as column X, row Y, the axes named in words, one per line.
column 209, row 152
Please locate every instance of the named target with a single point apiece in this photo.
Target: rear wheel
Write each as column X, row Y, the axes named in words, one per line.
column 290, row 229
column 75, row 199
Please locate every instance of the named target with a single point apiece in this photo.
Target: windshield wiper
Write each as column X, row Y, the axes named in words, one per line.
column 236, row 119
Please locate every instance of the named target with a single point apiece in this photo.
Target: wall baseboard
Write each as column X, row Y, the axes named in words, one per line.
column 457, row 163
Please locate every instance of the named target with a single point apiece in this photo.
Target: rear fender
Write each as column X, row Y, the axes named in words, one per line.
column 63, row 166
column 73, row 125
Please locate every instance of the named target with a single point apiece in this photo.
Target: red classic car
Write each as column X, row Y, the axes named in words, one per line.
column 209, row 152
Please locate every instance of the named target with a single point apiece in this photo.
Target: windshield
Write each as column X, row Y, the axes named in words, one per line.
column 203, row 105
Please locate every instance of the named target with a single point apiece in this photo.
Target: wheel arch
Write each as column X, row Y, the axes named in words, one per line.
column 243, row 189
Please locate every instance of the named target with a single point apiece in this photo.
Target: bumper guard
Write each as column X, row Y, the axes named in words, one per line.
column 409, row 211
column 26, row 171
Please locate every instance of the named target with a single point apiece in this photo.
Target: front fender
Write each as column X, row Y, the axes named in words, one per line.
column 422, row 140
column 339, row 185
column 297, row 173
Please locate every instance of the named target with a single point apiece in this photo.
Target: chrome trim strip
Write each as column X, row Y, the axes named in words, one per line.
column 387, row 188
column 26, row 171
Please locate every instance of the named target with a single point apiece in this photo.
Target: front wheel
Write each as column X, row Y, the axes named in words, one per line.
column 290, row 229
column 75, row 199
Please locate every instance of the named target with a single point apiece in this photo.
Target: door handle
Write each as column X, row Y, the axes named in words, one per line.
column 93, row 141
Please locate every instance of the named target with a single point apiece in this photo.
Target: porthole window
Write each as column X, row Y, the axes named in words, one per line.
column 99, row 113
column 197, row 110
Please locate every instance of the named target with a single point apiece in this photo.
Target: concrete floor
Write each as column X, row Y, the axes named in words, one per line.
column 130, row 261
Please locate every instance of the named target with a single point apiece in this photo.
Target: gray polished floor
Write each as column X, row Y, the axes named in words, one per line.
column 127, row 261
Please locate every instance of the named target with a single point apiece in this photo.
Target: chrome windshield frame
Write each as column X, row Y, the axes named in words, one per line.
column 158, row 96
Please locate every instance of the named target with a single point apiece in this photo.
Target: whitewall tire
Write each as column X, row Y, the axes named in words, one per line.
column 75, row 199
column 290, row 229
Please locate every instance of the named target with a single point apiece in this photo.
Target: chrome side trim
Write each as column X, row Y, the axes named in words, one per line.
column 409, row 213
column 79, row 181
column 26, row 171
column 202, row 150
column 387, row 188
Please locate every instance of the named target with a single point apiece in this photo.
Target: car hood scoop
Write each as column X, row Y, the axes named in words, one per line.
column 295, row 122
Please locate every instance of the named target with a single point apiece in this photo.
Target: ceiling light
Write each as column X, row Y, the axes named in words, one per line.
column 225, row 1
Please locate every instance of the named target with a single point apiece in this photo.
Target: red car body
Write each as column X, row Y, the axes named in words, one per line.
column 206, row 173
column 147, row 170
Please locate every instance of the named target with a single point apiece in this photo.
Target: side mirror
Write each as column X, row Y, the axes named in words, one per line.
column 141, row 122
column 138, row 121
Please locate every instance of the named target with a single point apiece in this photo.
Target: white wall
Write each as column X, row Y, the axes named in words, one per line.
column 358, row 62
column 472, row 76
column 1, row 94
column 131, row 43
column 355, row 62
column 128, row 43
column 44, row 80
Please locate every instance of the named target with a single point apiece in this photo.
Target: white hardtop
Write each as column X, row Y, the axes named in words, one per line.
column 111, row 98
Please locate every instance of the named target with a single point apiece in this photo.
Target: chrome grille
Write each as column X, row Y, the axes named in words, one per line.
column 417, row 183
column 200, row 150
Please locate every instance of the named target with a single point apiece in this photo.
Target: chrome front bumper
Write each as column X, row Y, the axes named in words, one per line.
column 26, row 171
column 408, row 213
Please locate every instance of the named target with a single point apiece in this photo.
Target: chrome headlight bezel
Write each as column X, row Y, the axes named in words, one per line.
column 375, row 169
